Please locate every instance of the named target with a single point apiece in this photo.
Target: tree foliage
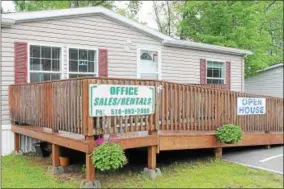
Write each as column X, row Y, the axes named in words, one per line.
column 252, row 25
column 131, row 10
column 167, row 16
column 22, row 5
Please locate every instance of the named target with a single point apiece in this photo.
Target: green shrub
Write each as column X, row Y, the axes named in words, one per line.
column 108, row 156
column 229, row 133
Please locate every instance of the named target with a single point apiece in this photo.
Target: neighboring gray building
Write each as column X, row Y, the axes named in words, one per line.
column 267, row 82
column 94, row 41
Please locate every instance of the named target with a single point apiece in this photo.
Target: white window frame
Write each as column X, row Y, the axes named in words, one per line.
column 96, row 61
column 39, row 71
column 214, row 78
column 159, row 61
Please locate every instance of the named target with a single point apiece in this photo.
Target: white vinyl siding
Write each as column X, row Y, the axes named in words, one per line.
column 183, row 65
column 269, row 83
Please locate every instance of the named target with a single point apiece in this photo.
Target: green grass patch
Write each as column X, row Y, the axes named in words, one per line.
column 30, row 172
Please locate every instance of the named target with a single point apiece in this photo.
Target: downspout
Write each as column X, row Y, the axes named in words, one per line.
column 243, row 73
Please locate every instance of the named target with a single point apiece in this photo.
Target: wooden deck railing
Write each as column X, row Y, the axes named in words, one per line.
column 213, row 86
column 56, row 105
column 63, row 105
column 204, row 109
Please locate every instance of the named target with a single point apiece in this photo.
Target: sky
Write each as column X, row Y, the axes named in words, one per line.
column 146, row 13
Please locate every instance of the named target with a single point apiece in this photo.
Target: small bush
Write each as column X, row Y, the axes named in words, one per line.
column 229, row 133
column 108, row 156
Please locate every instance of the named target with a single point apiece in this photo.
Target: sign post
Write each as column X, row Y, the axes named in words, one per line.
column 251, row 106
column 121, row 100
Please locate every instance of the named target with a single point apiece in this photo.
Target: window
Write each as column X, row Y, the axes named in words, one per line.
column 82, row 62
column 148, row 64
column 44, row 63
column 215, row 72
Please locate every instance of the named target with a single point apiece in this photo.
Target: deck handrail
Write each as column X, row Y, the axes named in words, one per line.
column 213, row 86
column 63, row 105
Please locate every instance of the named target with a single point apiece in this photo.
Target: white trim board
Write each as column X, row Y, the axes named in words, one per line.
column 7, row 140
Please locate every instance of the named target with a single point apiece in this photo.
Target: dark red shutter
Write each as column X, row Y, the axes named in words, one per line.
column 103, row 63
column 21, row 62
column 203, row 79
column 228, row 74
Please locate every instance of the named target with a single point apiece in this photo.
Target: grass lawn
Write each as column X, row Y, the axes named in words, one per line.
column 30, row 172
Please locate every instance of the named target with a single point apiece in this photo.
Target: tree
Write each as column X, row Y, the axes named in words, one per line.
column 167, row 16
column 273, row 24
column 131, row 10
column 253, row 25
column 22, row 5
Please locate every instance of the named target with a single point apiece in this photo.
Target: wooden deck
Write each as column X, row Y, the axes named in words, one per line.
column 186, row 117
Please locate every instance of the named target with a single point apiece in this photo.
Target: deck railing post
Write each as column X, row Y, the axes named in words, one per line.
column 90, row 168
column 88, row 122
column 152, row 169
column 157, row 107
column 55, row 155
column 152, row 153
column 218, row 153
column 17, row 142
column 55, row 168
column 152, row 157
column 90, row 181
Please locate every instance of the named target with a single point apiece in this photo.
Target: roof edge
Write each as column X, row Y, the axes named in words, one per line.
column 73, row 12
column 6, row 22
column 206, row 47
column 270, row 67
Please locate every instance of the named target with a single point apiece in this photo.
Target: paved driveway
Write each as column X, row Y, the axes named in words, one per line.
column 257, row 157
